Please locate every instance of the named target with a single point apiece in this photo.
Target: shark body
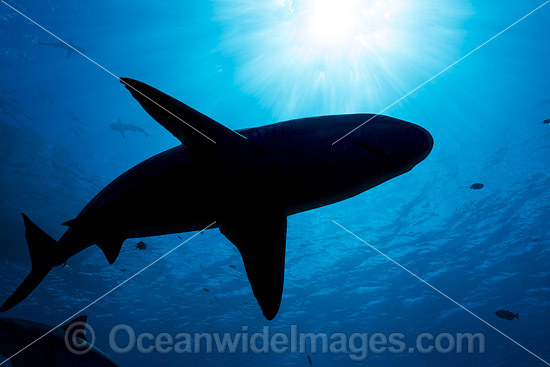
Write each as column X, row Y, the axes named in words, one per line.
column 51, row 350
column 246, row 182
column 122, row 128
column 70, row 49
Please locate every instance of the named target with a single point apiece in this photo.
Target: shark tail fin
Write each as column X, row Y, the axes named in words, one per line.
column 41, row 248
column 517, row 316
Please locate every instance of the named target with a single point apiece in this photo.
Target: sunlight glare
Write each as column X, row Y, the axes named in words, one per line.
column 344, row 27
column 305, row 57
column 331, row 21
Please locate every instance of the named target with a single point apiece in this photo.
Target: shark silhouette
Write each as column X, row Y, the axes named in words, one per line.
column 120, row 127
column 247, row 181
column 70, row 49
column 51, row 350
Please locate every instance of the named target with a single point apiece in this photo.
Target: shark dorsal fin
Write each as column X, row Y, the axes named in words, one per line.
column 195, row 130
column 77, row 326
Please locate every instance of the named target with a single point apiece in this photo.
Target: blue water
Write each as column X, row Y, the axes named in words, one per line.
column 247, row 63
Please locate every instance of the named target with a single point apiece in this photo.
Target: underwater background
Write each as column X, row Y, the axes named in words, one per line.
column 248, row 63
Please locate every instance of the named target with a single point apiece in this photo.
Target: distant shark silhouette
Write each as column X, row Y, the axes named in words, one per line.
column 63, row 46
column 120, row 127
column 51, row 350
column 247, row 181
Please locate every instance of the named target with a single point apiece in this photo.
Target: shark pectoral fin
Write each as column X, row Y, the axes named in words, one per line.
column 111, row 249
column 77, row 326
column 192, row 128
column 261, row 242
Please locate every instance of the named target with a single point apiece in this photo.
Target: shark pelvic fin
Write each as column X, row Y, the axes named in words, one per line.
column 195, row 130
column 261, row 240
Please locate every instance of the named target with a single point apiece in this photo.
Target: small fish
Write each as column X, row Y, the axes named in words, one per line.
column 141, row 245
column 477, row 186
column 546, row 122
column 206, row 289
column 309, row 360
column 233, row 266
column 505, row 314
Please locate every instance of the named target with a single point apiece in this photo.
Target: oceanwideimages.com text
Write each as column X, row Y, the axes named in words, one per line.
column 358, row 345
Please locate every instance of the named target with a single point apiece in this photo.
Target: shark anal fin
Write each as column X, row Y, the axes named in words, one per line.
column 261, row 240
column 195, row 130
column 111, row 249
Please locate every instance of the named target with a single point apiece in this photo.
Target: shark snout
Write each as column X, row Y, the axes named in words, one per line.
column 409, row 144
column 423, row 141
column 400, row 145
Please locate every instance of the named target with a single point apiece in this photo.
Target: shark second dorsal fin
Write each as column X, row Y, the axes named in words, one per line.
column 195, row 130
column 261, row 239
